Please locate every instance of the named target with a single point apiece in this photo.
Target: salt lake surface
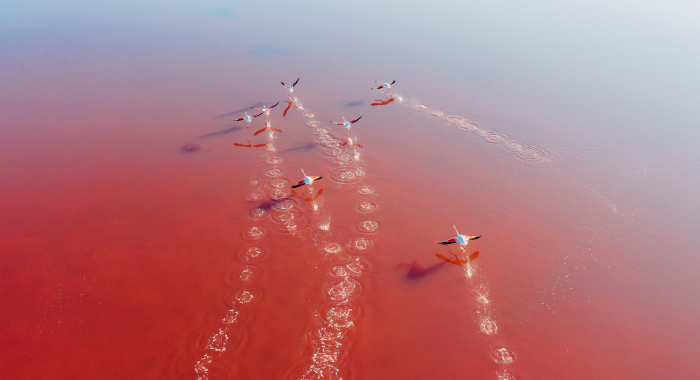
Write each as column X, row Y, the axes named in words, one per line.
column 136, row 241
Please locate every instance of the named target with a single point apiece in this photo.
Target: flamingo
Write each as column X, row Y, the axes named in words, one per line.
column 347, row 124
column 248, row 118
column 267, row 126
column 308, row 180
column 384, row 85
column 291, row 88
column 249, row 145
column 461, row 239
column 265, row 110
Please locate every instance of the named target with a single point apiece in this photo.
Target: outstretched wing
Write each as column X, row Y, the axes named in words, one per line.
column 393, row 82
column 300, row 183
column 259, row 132
column 337, row 123
column 284, row 84
column 297, row 81
column 356, row 119
column 473, row 237
column 239, row 119
column 259, row 109
column 257, row 114
column 316, row 177
column 380, row 87
column 271, row 106
column 445, row 242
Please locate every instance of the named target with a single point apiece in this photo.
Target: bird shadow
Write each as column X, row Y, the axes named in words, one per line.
column 355, row 103
column 258, row 104
column 380, row 102
column 189, row 148
column 302, row 148
column 416, row 272
column 458, row 260
column 222, row 132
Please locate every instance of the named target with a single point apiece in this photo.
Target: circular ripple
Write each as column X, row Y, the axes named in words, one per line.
column 366, row 206
column 276, row 172
column 255, row 233
column 356, row 267
column 279, row 183
column 246, row 275
column 258, row 213
column 331, row 143
column 361, row 244
column 467, row 126
column 309, row 116
column 286, row 216
column 319, row 130
column 503, row 355
column 284, row 205
column 277, row 194
column 274, row 160
column 253, row 254
column 341, row 290
column 243, row 296
column 488, row 326
column 481, row 132
column 339, row 271
column 359, row 172
column 495, row 138
column 255, row 196
column 366, row 190
column 436, row 113
column 255, row 180
column 368, row 226
column 333, row 248
column 420, row 106
column 270, row 148
column 456, row 119
column 322, row 137
column 504, row 375
column 341, row 315
column 313, row 123
column 332, row 151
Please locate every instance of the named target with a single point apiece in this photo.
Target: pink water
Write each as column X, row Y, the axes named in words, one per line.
column 125, row 209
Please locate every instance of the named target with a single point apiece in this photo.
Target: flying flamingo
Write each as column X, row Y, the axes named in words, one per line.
column 308, row 180
column 384, row 85
column 267, row 126
column 347, row 124
column 249, row 145
column 248, row 118
column 461, row 239
column 265, row 110
column 291, row 88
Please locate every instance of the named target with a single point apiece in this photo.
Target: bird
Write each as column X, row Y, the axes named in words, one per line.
column 248, row 118
column 291, row 88
column 461, row 239
column 384, row 85
column 308, row 180
column 347, row 124
column 265, row 110
column 249, row 145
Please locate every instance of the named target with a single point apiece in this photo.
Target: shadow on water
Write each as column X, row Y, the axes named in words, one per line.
column 355, row 103
column 189, row 148
column 416, row 271
column 258, row 104
column 302, row 148
column 222, row 132
column 380, row 102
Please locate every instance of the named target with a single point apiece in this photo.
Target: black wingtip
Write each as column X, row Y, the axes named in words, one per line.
column 319, row 177
column 474, row 238
column 295, row 186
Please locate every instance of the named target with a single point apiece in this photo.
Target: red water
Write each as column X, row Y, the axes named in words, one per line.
column 125, row 213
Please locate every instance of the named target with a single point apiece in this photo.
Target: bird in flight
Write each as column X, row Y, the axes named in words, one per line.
column 384, row 85
column 249, row 145
column 266, row 110
column 247, row 118
column 308, row 180
column 268, row 126
column 347, row 124
column 461, row 239
column 291, row 88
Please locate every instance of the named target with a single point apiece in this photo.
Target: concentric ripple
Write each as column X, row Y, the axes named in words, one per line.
column 244, row 295
column 421, row 107
column 274, row 160
column 366, row 207
column 253, row 254
column 487, row 326
column 361, row 244
column 246, row 275
column 275, row 172
column 356, row 267
column 254, row 181
column 503, row 355
column 278, row 194
column 309, row 115
column 343, row 289
column 456, row 119
column 284, row 205
column 258, row 213
column 313, row 123
column 437, row 113
column 279, row 183
column 255, row 233
column 320, row 131
column 365, row 190
column 255, row 196
column 368, row 226
column 333, row 248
